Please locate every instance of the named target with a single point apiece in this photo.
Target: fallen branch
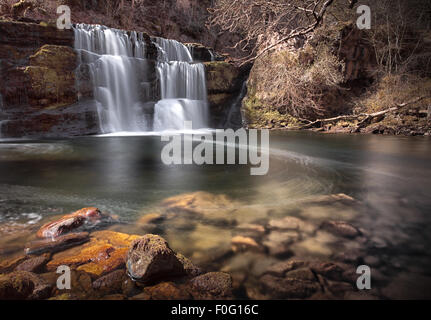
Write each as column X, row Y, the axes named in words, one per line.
column 366, row 116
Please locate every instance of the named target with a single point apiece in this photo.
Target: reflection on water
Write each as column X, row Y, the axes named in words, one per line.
column 390, row 177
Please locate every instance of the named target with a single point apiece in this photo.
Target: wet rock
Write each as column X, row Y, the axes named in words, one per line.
column 57, row 244
column 21, row 285
column 167, row 291
column 105, row 252
column 240, row 244
column 341, row 228
column 110, row 283
column 288, row 288
column 301, row 274
column 329, row 270
column 281, row 268
column 189, row 267
column 150, row 258
column 215, row 284
column 8, row 265
column 68, row 223
column 292, row 223
column 81, row 287
column 35, row 265
column 129, row 288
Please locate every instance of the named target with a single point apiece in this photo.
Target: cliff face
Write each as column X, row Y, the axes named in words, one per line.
column 37, row 64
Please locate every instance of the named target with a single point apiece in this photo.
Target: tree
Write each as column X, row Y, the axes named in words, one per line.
column 267, row 24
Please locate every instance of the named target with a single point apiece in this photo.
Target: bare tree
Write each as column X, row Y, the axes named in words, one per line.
column 267, row 24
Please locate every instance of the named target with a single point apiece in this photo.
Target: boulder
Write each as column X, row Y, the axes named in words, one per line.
column 150, row 259
column 69, row 222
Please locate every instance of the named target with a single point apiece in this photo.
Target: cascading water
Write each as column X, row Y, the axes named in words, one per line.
column 119, row 74
column 183, row 88
column 116, row 61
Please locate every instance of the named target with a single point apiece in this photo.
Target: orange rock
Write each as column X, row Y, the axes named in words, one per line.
column 105, row 252
column 68, row 222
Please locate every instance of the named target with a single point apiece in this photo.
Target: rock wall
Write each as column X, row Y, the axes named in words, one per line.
column 39, row 98
column 224, row 82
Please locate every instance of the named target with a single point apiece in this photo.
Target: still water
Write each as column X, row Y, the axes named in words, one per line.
column 389, row 178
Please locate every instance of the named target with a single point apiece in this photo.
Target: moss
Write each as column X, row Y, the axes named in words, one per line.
column 260, row 115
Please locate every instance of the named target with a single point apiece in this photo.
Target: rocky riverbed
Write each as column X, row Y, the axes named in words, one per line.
column 289, row 257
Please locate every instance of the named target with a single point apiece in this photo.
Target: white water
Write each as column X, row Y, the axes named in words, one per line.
column 117, row 67
column 183, row 89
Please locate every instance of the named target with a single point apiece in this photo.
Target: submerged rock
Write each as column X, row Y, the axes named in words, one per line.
column 214, row 208
column 58, row 244
column 35, row 265
column 189, row 267
column 215, row 284
column 8, row 265
column 166, row 291
column 288, row 288
column 150, row 258
column 341, row 228
column 240, row 243
column 281, row 268
column 292, row 223
column 68, row 223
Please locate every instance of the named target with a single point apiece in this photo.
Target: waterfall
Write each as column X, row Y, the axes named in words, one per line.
column 183, row 88
column 115, row 59
column 120, row 77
